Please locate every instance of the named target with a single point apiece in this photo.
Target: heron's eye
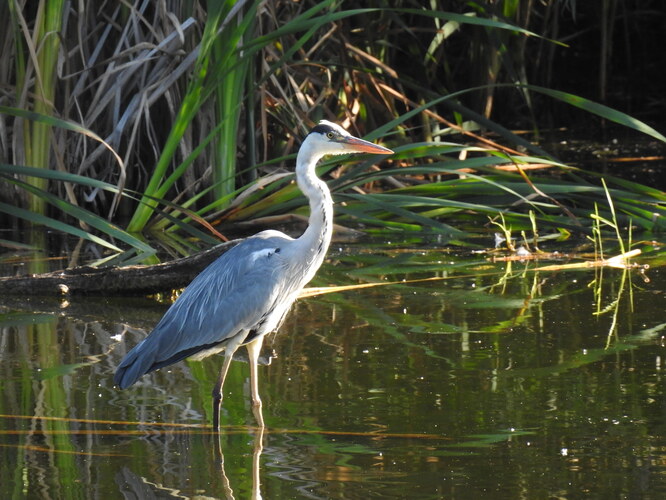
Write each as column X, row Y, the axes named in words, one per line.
column 330, row 135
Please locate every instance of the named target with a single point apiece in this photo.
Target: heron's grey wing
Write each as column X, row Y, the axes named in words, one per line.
column 214, row 317
column 229, row 297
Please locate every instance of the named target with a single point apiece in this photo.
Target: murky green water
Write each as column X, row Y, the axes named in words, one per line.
column 494, row 381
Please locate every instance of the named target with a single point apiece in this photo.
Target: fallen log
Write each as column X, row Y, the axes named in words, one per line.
column 123, row 281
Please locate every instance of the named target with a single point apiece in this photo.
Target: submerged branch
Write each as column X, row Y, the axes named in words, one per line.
column 145, row 280
column 123, row 281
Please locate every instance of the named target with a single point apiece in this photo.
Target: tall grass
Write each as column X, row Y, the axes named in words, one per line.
column 165, row 115
column 37, row 47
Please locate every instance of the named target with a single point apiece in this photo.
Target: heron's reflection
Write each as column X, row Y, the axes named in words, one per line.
column 258, row 447
column 133, row 485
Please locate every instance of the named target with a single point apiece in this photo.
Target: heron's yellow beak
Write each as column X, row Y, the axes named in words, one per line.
column 354, row 144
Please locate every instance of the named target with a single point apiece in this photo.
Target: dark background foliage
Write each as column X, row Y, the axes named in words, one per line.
column 200, row 99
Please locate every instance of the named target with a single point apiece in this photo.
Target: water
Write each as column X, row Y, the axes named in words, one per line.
column 490, row 381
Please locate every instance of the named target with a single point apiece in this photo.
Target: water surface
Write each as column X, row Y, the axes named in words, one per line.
column 484, row 380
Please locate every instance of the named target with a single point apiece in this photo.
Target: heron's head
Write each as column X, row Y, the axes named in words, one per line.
column 330, row 139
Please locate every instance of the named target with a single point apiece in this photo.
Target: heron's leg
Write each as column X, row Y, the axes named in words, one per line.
column 253, row 350
column 217, row 391
column 256, row 462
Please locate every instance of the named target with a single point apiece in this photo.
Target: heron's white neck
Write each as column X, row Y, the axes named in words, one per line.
column 314, row 242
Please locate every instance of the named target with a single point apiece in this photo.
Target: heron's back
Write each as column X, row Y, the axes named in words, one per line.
column 246, row 291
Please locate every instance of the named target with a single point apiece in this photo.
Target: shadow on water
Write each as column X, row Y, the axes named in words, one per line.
column 487, row 380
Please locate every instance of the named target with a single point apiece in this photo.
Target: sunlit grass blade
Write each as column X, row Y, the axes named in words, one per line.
column 600, row 110
column 400, row 207
column 90, row 219
column 56, row 175
column 63, row 124
column 57, row 225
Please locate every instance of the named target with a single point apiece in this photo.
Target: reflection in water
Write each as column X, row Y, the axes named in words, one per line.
column 134, row 486
column 498, row 384
column 258, row 447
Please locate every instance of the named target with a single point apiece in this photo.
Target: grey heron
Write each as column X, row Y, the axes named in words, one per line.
column 247, row 292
